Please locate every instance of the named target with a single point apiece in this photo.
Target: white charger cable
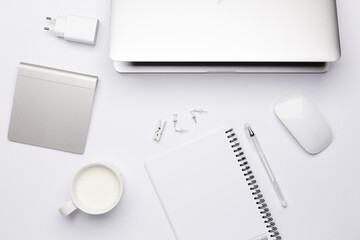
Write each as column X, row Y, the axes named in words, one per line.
column 75, row 28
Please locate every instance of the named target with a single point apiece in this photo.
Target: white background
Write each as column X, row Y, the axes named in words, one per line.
column 322, row 191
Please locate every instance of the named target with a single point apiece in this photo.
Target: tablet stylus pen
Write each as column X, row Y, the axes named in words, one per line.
column 251, row 135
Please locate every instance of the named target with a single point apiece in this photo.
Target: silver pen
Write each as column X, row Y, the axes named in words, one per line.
column 252, row 138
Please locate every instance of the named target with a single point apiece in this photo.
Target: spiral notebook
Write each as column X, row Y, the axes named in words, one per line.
column 208, row 191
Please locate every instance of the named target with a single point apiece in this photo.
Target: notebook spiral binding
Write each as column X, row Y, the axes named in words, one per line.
column 254, row 188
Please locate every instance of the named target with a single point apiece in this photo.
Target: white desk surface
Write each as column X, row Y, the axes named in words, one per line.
column 322, row 191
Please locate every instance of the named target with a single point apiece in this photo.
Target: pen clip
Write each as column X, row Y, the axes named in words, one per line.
column 250, row 135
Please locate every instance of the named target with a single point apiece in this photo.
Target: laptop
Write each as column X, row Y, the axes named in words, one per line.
column 224, row 35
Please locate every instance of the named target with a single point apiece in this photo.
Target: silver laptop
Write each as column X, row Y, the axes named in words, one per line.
column 224, row 35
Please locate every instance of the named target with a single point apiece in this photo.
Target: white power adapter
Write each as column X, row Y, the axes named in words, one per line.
column 75, row 28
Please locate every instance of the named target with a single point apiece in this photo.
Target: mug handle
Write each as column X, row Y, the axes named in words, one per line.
column 67, row 208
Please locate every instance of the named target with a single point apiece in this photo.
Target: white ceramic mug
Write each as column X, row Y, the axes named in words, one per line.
column 95, row 189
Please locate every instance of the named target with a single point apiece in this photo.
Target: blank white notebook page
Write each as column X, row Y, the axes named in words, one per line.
column 204, row 193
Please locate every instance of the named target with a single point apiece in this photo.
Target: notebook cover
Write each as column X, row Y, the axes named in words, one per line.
column 205, row 194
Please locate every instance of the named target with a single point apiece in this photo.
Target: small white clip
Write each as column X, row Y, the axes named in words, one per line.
column 159, row 130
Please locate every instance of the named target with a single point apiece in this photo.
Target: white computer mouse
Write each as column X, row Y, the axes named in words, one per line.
column 304, row 121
